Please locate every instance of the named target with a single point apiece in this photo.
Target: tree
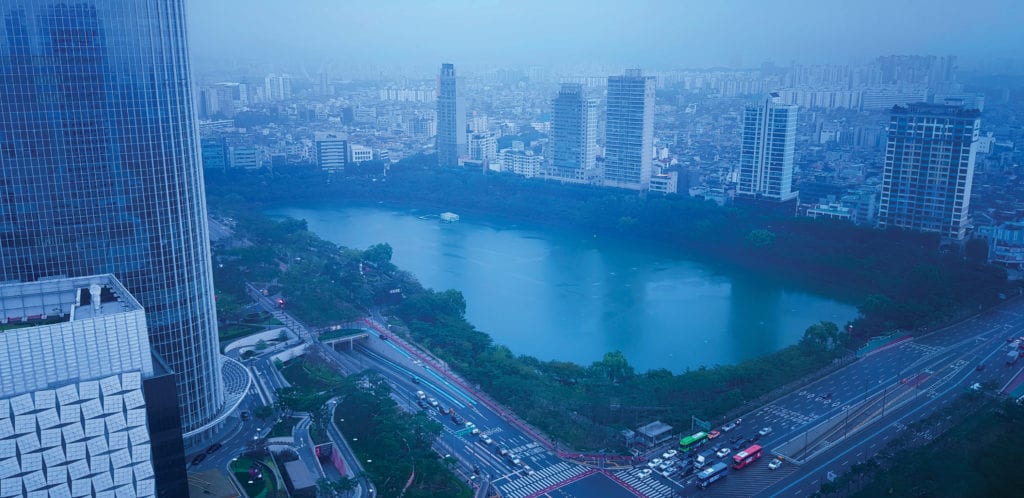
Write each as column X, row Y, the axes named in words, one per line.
column 614, row 366
column 761, row 238
column 379, row 255
column 823, row 336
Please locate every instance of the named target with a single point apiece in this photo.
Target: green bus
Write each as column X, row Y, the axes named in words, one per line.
column 689, row 442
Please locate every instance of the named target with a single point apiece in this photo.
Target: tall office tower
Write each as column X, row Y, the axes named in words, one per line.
column 277, row 87
column 766, row 152
column 451, row 119
column 331, row 151
column 629, row 131
column 929, row 168
column 99, row 173
column 78, row 374
column 573, row 132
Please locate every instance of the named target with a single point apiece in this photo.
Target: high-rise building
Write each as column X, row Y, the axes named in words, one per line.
column 101, row 174
column 331, row 151
column 929, row 168
column 629, row 131
column 573, row 132
column 451, row 119
column 766, row 151
column 89, row 407
column 277, row 87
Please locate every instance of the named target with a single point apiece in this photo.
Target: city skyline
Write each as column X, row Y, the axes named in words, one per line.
column 651, row 34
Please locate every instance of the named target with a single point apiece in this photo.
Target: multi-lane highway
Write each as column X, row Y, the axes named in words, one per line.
column 821, row 429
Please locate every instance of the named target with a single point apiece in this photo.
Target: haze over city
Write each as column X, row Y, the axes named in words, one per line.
column 654, row 34
column 496, row 249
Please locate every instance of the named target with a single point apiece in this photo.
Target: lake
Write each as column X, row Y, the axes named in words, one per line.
column 565, row 296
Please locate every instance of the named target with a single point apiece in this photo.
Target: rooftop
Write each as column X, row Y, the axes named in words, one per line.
column 60, row 299
column 925, row 108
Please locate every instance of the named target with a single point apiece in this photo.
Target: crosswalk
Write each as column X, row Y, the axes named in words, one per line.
column 749, row 481
column 650, row 487
column 541, row 479
column 783, row 416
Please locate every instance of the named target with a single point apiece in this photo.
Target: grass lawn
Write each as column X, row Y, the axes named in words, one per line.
column 334, row 334
column 237, row 330
column 259, row 488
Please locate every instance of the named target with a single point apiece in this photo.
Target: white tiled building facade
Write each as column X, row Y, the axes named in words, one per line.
column 73, row 353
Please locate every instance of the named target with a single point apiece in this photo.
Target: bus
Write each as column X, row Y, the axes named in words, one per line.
column 690, row 442
column 746, row 457
column 712, row 474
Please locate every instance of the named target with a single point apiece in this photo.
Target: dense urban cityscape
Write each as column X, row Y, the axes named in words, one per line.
column 261, row 276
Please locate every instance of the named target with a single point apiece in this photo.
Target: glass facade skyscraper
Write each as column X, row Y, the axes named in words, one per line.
column 451, row 119
column 573, row 132
column 99, row 170
column 629, row 131
column 767, row 149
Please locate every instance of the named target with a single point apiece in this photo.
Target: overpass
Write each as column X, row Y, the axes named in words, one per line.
column 343, row 336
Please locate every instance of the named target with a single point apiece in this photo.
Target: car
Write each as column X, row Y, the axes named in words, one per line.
column 723, row 452
column 514, row 459
column 654, row 462
column 527, row 470
column 433, row 402
column 501, row 451
column 728, row 427
column 485, row 438
column 665, row 465
column 774, row 464
column 199, row 459
column 415, row 379
column 764, row 431
column 738, row 421
column 423, row 404
column 245, row 415
column 738, row 438
column 644, row 473
column 421, row 394
column 979, row 368
column 669, row 454
column 714, row 434
column 667, row 473
column 213, row 447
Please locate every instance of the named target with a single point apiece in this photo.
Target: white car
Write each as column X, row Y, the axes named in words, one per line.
column 644, row 473
column 766, row 431
column 421, row 394
column 664, row 465
column 722, row 452
column 654, row 463
column 774, row 464
column 728, row 427
column 669, row 454
column 485, row 438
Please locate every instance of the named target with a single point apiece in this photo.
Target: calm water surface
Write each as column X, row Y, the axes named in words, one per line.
column 554, row 295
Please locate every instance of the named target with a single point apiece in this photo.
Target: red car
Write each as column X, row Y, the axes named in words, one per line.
column 714, row 434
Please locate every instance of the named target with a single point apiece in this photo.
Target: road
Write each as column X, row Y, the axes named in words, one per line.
column 900, row 384
column 869, row 402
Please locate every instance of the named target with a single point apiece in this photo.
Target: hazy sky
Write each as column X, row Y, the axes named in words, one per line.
column 680, row 33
